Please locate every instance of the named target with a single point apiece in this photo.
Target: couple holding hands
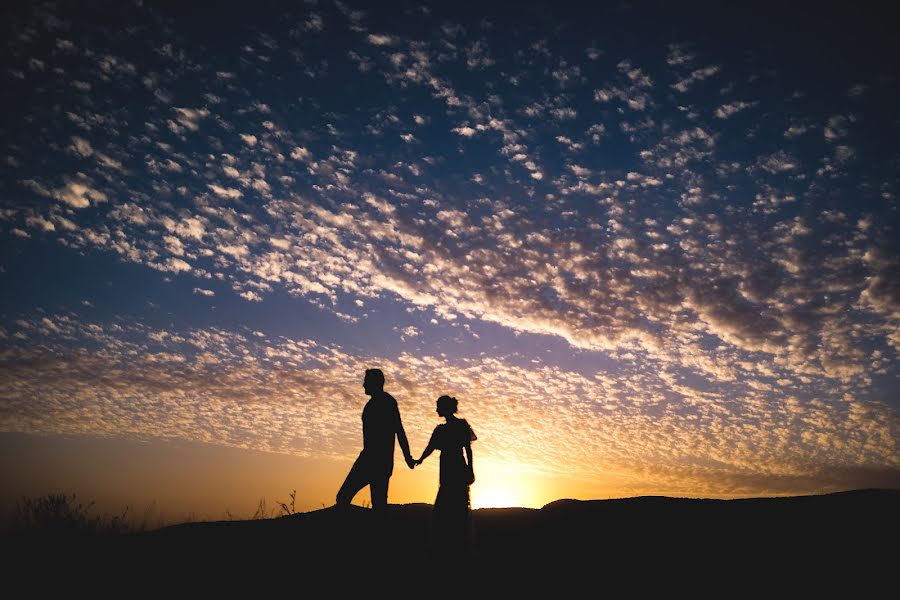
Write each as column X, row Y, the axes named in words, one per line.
column 382, row 426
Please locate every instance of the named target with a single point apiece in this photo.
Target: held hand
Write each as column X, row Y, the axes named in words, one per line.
column 410, row 462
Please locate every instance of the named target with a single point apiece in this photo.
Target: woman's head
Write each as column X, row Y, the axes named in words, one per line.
column 446, row 406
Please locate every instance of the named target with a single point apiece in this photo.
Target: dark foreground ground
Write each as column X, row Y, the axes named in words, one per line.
column 847, row 543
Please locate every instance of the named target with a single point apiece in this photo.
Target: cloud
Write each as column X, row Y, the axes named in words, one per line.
column 81, row 146
column 695, row 76
column 172, row 166
column 284, row 394
column 314, row 23
column 795, row 130
column 564, row 114
column 465, row 131
column 190, row 117
column 176, row 265
column 778, row 162
column 390, row 238
column 78, row 193
column 837, row 127
column 38, row 222
column 377, row 39
column 596, row 132
column 727, row 110
column 301, row 154
column 75, row 192
column 716, row 273
column 634, row 91
column 477, row 56
column 679, row 55
column 222, row 192
column 882, row 290
column 579, row 171
column 37, row 187
column 174, row 245
column 203, row 292
column 634, row 74
column 236, row 250
column 843, row 153
column 112, row 65
column 857, row 90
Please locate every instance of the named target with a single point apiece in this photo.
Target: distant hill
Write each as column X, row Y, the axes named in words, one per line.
column 643, row 541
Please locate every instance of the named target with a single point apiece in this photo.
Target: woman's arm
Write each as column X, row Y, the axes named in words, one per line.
column 471, row 466
column 427, row 451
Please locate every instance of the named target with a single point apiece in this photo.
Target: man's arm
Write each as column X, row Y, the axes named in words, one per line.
column 404, row 443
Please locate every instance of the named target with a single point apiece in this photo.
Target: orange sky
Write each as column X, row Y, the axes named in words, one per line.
column 175, row 481
column 663, row 264
column 164, row 482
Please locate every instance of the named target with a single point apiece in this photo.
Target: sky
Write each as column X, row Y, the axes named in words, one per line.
column 652, row 250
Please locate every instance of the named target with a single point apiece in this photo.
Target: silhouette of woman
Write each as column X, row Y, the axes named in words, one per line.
column 451, row 518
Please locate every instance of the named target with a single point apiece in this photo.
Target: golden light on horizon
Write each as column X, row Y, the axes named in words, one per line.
column 504, row 486
column 494, row 497
column 637, row 277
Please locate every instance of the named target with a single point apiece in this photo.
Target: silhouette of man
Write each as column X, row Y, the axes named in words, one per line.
column 381, row 426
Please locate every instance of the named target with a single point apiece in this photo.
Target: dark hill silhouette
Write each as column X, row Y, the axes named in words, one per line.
column 811, row 541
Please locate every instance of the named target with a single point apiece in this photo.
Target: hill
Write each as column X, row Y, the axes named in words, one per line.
column 641, row 542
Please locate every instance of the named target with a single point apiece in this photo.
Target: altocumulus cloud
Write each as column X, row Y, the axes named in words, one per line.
column 737, row 280
column 247, row 390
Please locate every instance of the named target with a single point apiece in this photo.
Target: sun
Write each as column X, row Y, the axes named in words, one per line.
column 492, row 497
column 504, row 485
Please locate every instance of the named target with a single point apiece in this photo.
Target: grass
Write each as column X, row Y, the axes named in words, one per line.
column 289, row 509
column 58, row 513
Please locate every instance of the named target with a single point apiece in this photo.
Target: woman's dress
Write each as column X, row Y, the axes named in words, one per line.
column 452, row 509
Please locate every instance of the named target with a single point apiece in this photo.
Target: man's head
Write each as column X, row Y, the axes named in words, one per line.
column 374, row 381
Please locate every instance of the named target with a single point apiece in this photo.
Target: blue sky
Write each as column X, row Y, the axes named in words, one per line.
column 651, row 248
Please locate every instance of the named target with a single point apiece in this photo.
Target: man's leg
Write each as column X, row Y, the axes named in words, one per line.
column 379, row 490
column 356, row 480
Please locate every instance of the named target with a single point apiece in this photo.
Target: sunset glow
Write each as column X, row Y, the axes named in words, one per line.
column 500, row 486
column 648, row 255
column 495, row 497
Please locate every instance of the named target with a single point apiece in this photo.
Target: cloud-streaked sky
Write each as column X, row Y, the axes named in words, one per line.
column 654, row 252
